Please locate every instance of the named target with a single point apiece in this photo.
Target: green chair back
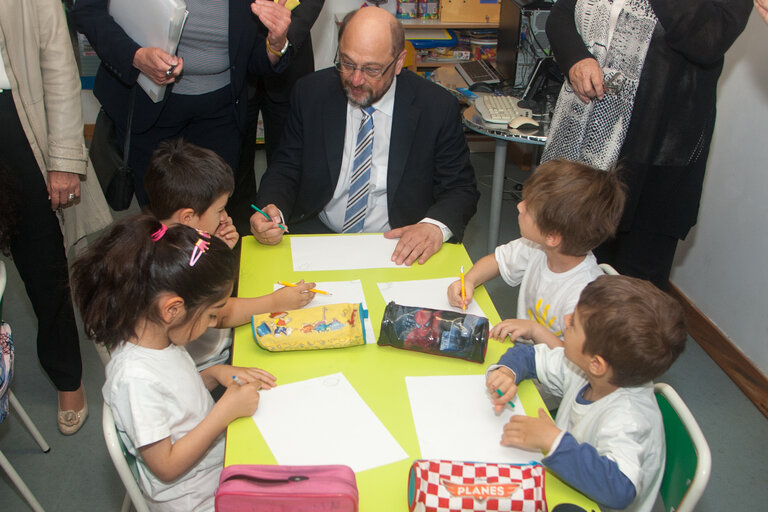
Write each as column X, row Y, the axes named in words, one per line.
column 681, row 462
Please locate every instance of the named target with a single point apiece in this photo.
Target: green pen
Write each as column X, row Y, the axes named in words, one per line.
column 511, row 402
column 267, row 216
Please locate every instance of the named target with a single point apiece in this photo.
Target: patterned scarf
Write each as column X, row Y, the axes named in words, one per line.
column 617, row 33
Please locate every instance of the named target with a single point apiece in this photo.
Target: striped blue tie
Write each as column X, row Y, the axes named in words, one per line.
column 357, row 199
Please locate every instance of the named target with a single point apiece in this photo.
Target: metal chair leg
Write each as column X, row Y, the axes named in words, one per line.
column 28, row 422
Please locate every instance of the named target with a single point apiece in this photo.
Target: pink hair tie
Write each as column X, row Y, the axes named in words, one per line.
column 157, row 235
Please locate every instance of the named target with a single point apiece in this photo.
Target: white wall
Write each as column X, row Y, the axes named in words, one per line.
column 723, row 265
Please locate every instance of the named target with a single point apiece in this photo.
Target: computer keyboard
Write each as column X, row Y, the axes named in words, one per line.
column 475, row 71
column 499, row 109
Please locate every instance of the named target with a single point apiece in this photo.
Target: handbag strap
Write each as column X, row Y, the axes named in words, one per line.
column 127, row 144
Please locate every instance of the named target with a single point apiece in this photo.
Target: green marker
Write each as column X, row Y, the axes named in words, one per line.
column 267, row 216
column 511, row 402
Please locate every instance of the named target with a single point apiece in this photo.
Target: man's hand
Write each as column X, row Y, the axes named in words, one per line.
column 63, row 188
column 530, row 433
column 267, row 231
column 276, row 18
column 586, row 78
column 761, row 6
column 417, row 241
column 159, row 66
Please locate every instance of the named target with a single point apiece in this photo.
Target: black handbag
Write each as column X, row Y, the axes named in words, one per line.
column 111, row 164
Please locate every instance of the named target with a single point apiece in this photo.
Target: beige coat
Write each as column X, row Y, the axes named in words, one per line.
column 38, row 58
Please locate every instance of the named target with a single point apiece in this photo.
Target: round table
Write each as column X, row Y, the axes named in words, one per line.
column 503, row 135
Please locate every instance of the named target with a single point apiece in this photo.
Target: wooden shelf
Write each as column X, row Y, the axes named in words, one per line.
column 436, row 24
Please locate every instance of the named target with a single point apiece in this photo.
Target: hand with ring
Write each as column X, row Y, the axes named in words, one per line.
column 63, row 188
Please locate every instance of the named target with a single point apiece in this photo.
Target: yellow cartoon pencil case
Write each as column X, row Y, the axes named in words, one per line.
column 329, row 326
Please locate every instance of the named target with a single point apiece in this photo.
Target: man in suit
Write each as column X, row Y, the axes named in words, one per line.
column 420, row 184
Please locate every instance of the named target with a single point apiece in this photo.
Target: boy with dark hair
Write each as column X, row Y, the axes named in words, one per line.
column 607, row 440
column 568, row 209
column 190, row 185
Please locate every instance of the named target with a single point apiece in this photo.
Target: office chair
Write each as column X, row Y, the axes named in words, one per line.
column 689, row 460
column 6, row 373
column 124, row 462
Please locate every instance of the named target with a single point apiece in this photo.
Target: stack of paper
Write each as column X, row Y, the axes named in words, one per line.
column 151, row 23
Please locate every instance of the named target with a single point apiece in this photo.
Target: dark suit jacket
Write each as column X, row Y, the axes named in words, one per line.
column 278, row 87
column 116, row 75
column 429, row 173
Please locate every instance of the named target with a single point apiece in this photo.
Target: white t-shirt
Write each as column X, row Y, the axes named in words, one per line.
column 545, row 296
column 625, row 426
column 155, row 394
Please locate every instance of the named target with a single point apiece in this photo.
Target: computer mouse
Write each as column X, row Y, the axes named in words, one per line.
column 523, row 123
column 481, row 87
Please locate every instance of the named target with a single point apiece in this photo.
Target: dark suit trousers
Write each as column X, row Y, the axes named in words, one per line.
column 37, row 248
column 207, row 120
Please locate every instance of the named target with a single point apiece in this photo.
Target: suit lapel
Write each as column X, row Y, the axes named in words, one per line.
column 334, row 124
column 405, row 118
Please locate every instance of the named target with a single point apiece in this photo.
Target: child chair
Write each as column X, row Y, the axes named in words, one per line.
column 689, row 460
column 124, row 462
column 6, row 396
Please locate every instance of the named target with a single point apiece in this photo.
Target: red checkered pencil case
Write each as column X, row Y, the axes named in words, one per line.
column 451, row 486
column 266, row 488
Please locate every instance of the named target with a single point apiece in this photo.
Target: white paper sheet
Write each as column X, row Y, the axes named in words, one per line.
column 427, row 293
column 346, row 252
column 455, row 420
column 342, row 291
column 324, row 421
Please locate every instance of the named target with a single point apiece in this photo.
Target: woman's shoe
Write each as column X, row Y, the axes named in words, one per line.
column 71, row 421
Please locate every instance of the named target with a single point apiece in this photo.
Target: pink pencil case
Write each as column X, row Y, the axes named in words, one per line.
column 268, row 488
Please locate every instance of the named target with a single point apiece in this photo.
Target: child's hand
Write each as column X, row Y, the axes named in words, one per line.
column 247, row 375
column 514, row 328
column 502, row 379
column 239, row 401
column 530, row 433
column 454, row 293
column 227, row 232
column 293, row 297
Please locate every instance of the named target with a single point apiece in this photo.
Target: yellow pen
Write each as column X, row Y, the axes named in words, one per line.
column 311, row 289
column 463, row 291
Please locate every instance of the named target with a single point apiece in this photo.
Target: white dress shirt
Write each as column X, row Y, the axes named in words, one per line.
column 377, row 214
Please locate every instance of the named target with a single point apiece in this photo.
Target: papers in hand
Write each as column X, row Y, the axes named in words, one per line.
column 151, row 23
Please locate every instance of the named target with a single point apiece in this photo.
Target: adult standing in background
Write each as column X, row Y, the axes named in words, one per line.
column 270, row 95
column 371, row 147
column 57, row 196
column 641, row 91
column 205, row 101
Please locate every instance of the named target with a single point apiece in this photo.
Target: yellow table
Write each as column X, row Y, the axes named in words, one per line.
column 377, row 373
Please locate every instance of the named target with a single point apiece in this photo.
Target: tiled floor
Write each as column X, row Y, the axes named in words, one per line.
column 77, row 474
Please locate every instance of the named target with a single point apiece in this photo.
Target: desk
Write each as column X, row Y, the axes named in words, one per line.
column 377, row 373
column 502, row 136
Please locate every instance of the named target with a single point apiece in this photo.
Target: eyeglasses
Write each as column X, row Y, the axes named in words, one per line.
column 371, row 72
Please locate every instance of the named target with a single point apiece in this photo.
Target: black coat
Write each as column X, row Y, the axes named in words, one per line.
column 667, row 143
